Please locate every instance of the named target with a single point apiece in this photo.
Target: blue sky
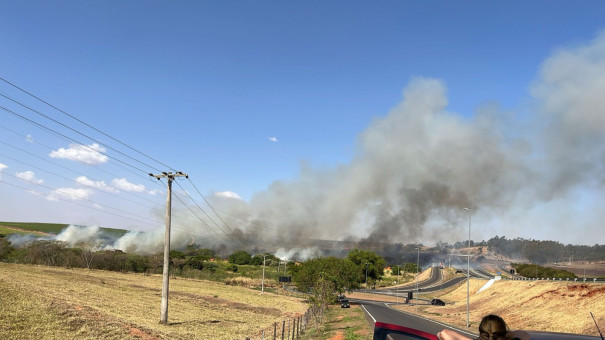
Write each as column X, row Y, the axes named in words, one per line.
column 202, row 86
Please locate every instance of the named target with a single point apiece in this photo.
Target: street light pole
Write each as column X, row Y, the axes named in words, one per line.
column 397, row 292
column 366, row 277
column 468, row 267
column 417, row 274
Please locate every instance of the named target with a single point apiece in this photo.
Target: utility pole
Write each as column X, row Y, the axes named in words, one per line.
column 263, row 283
column 166, row 275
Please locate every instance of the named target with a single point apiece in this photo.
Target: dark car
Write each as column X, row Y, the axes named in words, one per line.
column 345, row 304
column 437, row 302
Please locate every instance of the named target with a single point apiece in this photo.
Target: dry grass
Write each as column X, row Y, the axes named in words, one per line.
column 531, row 305
column 342, row 323
column 44, row 303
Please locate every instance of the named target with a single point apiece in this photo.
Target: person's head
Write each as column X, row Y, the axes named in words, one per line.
column 492, row 327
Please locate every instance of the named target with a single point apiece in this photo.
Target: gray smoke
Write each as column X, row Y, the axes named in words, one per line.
column 415, row 169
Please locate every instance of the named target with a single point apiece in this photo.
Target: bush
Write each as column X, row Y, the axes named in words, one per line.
column 232, row 267
column 240, row 257
column 196, row 262
column 210, row 266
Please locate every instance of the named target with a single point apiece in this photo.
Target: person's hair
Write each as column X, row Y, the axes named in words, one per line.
column 492, row 327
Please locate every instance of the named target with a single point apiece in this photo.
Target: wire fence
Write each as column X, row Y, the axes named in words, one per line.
column 289, row 329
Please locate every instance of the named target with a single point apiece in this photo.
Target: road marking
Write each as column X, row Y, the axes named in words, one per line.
column 437, row 322
column 364, row 308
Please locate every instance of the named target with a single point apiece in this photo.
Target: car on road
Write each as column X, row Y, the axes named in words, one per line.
column 345, row 304
column 437, row 302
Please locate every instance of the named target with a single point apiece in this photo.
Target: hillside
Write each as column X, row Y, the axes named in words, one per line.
column 46, row 228
column 56, row 303
column 531, row 305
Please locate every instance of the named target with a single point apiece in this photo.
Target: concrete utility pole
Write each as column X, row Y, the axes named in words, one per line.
column 166, row 275
column 263, row 283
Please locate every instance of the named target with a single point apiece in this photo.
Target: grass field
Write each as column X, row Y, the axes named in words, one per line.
column 57, row 303
column 49, row 228
column 46, row 228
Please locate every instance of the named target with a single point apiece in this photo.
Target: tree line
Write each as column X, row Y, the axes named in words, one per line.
column 535, row 251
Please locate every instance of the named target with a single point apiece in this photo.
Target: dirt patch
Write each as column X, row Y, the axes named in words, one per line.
column 27, row 231
column 338, row 336
column 138, row 333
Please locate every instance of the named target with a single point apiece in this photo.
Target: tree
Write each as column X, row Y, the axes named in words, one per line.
column 89, row 251
column 375, row 264
column 5, row 247
column 324, row 278
column 240, row 257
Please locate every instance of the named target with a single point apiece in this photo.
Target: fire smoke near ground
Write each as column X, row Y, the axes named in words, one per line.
column 523, row 173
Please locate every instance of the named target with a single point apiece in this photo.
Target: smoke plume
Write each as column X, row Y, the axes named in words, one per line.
column 417, row 168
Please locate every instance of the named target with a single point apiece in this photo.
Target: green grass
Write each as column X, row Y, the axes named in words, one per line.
column 7, row 231
column 50, row 228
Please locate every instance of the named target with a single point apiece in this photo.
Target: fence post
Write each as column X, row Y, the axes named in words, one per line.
column 283, row 328
column 293, row 328
column 275, row 331
column 298, row 328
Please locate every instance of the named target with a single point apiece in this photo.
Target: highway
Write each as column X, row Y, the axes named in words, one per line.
column 433, row 284
column 379, row 311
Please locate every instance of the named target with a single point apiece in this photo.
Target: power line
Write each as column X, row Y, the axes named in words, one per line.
column 63, row 167
column 76, row 131
column 82, row 122
column 64, row 136
column 228, row 228
column 199, row 218
column 72, row 202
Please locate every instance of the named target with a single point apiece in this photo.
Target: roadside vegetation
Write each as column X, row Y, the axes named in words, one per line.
column 533, row 270
column 341, row 323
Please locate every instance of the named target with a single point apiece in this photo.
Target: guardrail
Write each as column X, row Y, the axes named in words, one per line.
column 587, row 280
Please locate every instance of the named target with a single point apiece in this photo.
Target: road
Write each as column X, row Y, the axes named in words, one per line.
column 433, row 284
column 379, row 311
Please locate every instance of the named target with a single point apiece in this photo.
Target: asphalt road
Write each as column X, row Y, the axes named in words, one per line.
column 433, row 284
column 379, row 311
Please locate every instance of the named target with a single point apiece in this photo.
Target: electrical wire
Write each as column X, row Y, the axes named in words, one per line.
column 82, row 122
column 72, row 202
column 71, row 139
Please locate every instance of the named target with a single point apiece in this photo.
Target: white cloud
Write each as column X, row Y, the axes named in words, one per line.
column 36, row 193
column 29, row 138
column 154, row 192
column 2, row 167
column 29, row 176
column 273, row 139
column 122, row 183
column 96, row 184
column 228, row 194
column 91, row 154
column 75, row 194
